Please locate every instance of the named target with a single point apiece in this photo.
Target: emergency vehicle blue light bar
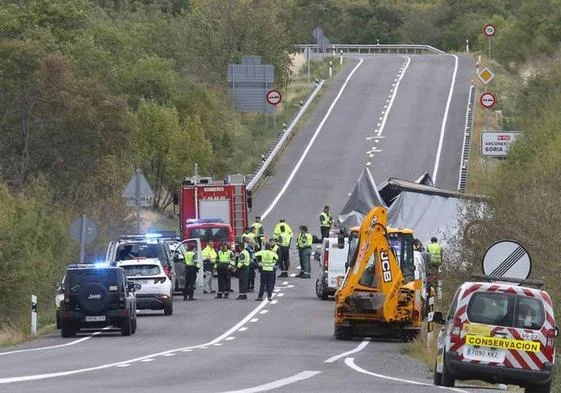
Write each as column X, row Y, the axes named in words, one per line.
column 204, row 221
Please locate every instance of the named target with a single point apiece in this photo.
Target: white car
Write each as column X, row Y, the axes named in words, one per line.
column 156, row 292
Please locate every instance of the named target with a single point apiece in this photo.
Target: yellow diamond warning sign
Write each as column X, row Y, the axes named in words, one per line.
column 486, row 75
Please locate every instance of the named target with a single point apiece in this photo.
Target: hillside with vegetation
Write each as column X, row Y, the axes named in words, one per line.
column 90, row 90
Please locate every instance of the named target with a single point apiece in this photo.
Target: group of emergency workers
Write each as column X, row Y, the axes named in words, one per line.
column 254, row 252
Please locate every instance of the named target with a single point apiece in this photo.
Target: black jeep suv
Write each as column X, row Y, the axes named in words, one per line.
column 97, row 296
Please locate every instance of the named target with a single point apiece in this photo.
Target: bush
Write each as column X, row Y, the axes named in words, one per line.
column 34, row 251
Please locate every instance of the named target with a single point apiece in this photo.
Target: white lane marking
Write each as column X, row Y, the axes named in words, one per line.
column 168, row 354
column 56, row 346
column 242, row 329
column 35, row 377
column 274, row 301
column 186, row 350
column 254, row 320
column 218, row 344
column 263, row 312
column 444, row 120
column 280, row 295
column 316, row 133
column 350, row 363
column 277, row 289
column 359, row 348
column 230, row 338
column 278, row 383
column 123, row 365
column 147, row 360
column 285, row 283
column 293, row 275
column 392, row 96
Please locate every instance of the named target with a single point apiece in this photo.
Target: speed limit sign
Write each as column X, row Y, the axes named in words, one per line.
column 489, row 30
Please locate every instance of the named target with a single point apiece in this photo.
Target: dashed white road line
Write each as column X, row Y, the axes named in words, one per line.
column 263, row 311
column 123, row 365
column 219, row 344
column 394, row 94
column 254, row 320
column 359, row 348
column 280, row 295
column 274, row 301
column 230, row 338
column 242, row 329
column 350, row 363
column 147, row 360
column 278, row 383
column 168, row 354
column 34, row 377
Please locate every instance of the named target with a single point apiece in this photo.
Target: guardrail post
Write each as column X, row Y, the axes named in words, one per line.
column 33, row 315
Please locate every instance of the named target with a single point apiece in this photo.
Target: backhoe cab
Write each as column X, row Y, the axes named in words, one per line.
column 381, row 293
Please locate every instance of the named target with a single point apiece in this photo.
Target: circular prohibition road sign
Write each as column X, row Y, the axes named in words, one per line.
column 489, row 30
column 487, row 100
column 274, row 97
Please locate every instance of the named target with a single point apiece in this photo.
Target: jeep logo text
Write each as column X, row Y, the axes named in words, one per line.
column 92, row 296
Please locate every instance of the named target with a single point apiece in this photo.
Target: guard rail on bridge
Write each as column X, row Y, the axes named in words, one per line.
column 406, row 49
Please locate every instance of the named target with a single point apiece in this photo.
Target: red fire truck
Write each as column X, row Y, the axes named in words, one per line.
column 213, row 210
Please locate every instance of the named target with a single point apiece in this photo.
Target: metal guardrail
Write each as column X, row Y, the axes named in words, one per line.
column 254, row 179
column 466, row 151
column 407, row 49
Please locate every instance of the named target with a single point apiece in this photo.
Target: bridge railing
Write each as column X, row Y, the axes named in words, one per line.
column 406, row 49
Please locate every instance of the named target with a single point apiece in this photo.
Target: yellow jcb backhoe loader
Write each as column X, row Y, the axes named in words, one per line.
column 378, row 297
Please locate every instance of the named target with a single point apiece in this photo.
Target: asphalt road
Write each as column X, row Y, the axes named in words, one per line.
column 285, row 345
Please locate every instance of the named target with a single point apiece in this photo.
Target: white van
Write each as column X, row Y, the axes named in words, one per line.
column 331, row 257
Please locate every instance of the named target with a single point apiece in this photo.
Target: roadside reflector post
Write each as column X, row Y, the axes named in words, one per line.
column 341, row 56
column 330, row 68
column 33, row 315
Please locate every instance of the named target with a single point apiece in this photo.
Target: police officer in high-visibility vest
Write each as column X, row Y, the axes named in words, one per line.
column 283, row 234
column 248, row 236
column 209, row 259
column 191, row 270
column 304, row 244
column 266, row 260
column 258, row 231
column 244, row 259
column 325, row 222
column 435, row 260
column 435, row 252
column 225, row 257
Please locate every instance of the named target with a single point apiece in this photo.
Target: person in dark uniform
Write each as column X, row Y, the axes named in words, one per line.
column 325, row 222
column 191, row 270
column 224, row 258
column 266, row 260
column 244, row 259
